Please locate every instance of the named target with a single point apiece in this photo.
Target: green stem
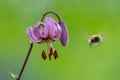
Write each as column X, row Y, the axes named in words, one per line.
column 25, row 62
column 53, row 12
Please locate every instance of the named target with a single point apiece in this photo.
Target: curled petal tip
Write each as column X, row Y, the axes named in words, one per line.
column 34, row 33
column 38, row 23
column 64, row 35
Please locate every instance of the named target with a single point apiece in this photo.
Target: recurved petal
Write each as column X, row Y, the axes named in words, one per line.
column 57, row 33
column 64, row 35
column 50, row 26
column 36, row 31
column 53, row 28
column 45, row 28
column 29, row 32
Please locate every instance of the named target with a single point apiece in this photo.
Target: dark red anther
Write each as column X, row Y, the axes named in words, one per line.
column 51, row 52
column 55, row 54
column 44, row 55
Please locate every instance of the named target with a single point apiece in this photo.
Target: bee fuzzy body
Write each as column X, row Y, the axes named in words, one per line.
column 95, row 39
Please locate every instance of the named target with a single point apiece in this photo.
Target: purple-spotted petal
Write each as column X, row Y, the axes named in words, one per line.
column 45, row 31
column 51, row 29
column 64, row 35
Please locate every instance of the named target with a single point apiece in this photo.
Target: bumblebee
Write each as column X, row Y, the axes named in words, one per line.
column 95, row 39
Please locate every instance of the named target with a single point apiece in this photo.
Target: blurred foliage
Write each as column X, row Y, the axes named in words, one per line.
column 76, row 61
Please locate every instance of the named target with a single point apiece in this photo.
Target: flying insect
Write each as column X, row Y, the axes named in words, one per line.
column 95, row 39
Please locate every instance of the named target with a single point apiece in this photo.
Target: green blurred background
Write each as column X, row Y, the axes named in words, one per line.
column 76, row 61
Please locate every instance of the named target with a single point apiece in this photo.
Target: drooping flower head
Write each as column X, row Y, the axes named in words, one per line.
column 48, row 32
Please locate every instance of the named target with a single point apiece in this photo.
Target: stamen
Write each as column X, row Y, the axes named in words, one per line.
column 55, row 54
column 44, row 55
column 51, row 52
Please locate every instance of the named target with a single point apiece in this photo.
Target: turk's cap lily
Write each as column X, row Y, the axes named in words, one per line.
column 50, row 30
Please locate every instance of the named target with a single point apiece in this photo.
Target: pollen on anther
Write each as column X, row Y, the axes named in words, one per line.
column 44, row 55
column 55, row 54
column 50, row 53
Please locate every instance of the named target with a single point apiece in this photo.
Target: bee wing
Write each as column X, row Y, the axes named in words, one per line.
column 86, row 37
column 105, row 35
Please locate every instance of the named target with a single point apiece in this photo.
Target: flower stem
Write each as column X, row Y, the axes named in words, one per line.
column 53, row 12
column 25, row 62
